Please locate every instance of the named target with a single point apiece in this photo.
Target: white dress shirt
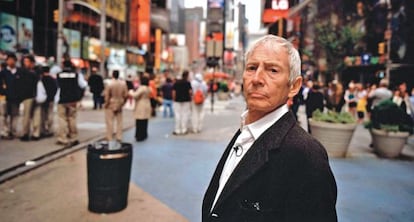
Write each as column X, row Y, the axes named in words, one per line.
column 249, row 134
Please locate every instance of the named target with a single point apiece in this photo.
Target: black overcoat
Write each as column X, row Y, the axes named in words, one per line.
column 285, row 176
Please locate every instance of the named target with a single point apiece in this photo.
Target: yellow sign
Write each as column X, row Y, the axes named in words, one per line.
column 114, row 8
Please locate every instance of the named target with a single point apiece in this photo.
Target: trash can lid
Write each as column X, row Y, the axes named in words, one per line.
column 104, row 147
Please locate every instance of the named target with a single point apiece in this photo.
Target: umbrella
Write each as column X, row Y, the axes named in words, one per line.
column 218, row 75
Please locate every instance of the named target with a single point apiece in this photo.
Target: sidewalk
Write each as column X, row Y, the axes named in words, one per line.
column 91, row 126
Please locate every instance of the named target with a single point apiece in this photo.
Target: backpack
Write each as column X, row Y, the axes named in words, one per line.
column 198, row 97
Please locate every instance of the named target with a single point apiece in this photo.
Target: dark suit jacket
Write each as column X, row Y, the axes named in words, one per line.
column 285, row 176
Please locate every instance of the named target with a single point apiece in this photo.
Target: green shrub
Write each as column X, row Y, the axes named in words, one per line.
column 333, row 117
column 390, row 117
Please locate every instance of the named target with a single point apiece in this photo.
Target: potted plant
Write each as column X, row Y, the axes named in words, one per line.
column 223, row 91
column 334, row 130
column 390, row 126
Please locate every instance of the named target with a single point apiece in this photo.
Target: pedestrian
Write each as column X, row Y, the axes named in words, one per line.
column 142, row 111
column 200, row 91
column 3, row 109
column 272, row 170
column 351, row 98
column 26, row 93
column 39, row 103
column 130, row 86
column 154, row 95
column 71, row 86
column 362, row 102
column 380, row 93
column 116, row 94
column 405, row 96
column 96, row 86
column 9, row 77
column 182, row 103
column 314, row 101
column 51, row 87
column 167, row 101
column 412, row 103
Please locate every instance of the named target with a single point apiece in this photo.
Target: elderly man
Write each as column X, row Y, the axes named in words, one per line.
column 272, row 170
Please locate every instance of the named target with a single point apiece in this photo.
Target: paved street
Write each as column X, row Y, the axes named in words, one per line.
column 170, row 174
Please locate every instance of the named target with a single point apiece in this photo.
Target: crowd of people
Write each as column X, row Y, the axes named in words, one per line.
column 37, row 91
column 31, row 95
column 357, row 99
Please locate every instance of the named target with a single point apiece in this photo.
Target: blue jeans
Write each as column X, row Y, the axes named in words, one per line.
column 166, row 103
column 97, row 101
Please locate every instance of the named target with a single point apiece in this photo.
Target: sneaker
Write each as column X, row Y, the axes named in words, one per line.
column 35, row 138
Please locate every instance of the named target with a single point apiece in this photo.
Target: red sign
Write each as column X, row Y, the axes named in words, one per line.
column 272, row 15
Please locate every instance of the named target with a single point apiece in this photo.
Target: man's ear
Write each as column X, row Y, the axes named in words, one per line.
column 295, row 87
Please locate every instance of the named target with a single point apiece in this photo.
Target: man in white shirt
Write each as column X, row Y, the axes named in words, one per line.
column 272, row 170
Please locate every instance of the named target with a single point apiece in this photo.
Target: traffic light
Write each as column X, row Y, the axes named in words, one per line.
column 56, row 15
column 381, row 48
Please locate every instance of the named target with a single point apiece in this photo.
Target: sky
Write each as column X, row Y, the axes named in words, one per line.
column 252, row 7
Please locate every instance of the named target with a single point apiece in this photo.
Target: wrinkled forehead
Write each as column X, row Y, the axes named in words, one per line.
column 270, row 47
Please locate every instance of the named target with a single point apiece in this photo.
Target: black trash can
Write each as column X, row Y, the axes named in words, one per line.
column 108, row 177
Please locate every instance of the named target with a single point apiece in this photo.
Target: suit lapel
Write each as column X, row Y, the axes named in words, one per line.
column 214, row 183
column 257, row 156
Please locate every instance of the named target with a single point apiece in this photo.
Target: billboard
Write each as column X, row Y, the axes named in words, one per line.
column 25, row 34
column 144, row 22
column 114, row 8
column 8, row 32
column 72, row 42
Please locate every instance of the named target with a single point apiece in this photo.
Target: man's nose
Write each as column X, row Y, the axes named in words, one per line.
column 258, row 75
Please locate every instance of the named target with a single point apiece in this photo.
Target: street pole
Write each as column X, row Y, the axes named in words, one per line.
column 102, row 34
column 59, row 49
column 389, row 61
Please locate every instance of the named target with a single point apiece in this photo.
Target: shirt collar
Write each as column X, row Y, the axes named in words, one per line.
column 257, row 128
column 12, row 70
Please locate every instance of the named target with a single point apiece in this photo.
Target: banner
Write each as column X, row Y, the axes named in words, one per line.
column 8, row 32
column 144, row 22
column 25, row 34
column 72, row 42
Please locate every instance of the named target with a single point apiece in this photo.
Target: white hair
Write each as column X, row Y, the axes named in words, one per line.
column 272, row 41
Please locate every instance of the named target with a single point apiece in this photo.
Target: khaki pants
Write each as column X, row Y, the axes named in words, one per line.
column 48, row 116
column 10, row 119
column 37, row 120
column 110, row 116
column 28, row 107
column 43, row 119
column 68, row 131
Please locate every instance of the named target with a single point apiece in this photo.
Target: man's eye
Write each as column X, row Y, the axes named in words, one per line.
column 273, row 70
column 251, row 68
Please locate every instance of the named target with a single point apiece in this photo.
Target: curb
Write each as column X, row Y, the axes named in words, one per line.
column 25, row 167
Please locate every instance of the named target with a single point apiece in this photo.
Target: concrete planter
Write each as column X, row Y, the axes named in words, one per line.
column 335, row 137
column 388, row 144
column 223, row 95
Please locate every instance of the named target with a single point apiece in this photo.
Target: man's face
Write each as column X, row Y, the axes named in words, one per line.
column 27, row 63
column 11, row 62
column 266, row 80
